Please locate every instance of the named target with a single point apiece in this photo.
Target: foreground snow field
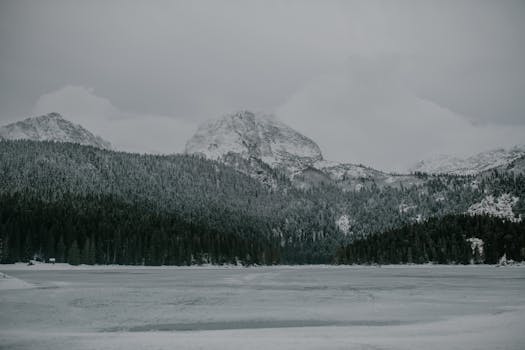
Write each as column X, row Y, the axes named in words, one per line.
column 310, row 307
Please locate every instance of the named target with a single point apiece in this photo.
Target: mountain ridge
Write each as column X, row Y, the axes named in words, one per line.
column 51, row 127
column 471, row 165
column 248, row 135
column 263, row 137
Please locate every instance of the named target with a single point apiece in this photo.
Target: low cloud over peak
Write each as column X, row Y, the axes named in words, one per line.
column 372, row 116
column 370, row 81
column 126, row 130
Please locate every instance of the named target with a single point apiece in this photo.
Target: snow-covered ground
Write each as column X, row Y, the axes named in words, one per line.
column 8, row 282
column 309, row 307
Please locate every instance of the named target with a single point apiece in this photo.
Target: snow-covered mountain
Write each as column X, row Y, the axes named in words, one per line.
column 470, row 165
column 250, row 136
column 51, row 127
column 255, row 135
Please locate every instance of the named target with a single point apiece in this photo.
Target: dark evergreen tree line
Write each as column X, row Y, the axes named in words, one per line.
column 103, row 230
column 439, row 240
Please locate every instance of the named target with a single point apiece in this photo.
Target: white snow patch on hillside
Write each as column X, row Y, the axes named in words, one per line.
column 476, row 244
column 343, row 224
column 405, row 208
column 439, row 198
column 500, row 207
column 418, row 218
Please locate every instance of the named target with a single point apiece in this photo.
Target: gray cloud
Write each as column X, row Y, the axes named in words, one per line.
column 460, row 61
column 370, row 116
column 125, row 130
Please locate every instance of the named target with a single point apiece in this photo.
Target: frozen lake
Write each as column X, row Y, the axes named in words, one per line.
column 314, row 307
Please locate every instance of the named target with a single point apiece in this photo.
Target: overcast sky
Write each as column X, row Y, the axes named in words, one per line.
column 380, row 83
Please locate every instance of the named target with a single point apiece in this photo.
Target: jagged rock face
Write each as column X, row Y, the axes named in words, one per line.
column 254, row 168
column 355, row 177
column 342, row 171
column 471, row 165
column 51, row 127
column 258, row 136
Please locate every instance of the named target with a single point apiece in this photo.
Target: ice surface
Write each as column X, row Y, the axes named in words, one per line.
column 8, row 282
column 310, row 307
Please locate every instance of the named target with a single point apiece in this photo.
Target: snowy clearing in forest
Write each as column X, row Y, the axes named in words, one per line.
column 282, row 307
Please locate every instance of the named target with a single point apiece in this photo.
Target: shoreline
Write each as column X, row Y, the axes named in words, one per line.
column 67, row 267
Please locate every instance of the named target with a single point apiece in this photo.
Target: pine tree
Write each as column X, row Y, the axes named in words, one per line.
column 74, row 254
column 88, row 253
column 61, row 250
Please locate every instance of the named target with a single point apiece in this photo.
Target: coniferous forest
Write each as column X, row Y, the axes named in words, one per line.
column 84, row 205
column 102, row 230
column 440, row 240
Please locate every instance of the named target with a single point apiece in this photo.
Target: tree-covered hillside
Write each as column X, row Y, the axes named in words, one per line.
column 103, row 230
column 300, row 224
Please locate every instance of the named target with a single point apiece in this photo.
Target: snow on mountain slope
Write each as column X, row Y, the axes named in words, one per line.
column 517, row 167
column 342, row 171
column 355, row 177
column 262, row 137
column 252, row 167
column 51, row 127
column 255, row 135
column 499, row 207
column 471, row 165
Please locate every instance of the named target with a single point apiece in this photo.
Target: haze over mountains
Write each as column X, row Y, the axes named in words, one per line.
column 262, row 137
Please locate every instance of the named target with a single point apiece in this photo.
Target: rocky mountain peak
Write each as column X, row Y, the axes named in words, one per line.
column 51, row 127
column 255, row 135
